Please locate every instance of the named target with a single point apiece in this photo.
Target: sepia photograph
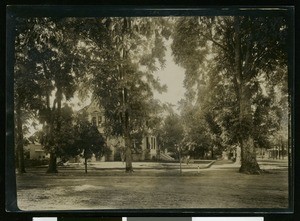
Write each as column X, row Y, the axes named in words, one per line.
column 153, row 112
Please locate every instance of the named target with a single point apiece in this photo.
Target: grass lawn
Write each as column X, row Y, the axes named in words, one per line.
column 151, row 189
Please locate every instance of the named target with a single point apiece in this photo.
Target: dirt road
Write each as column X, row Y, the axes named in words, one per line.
column 213, row 188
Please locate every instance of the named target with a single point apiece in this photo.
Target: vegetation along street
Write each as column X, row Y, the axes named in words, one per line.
column 152, row 112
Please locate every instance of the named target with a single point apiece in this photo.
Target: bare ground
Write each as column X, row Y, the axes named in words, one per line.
column 220, row 186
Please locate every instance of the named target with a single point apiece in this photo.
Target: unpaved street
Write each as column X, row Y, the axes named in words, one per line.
column 164, row 189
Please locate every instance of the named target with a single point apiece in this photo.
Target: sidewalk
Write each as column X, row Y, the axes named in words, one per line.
column 268, row 164
column 265, row 164
column 143, row 165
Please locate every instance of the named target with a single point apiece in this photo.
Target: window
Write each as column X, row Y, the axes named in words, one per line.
column 94, row 121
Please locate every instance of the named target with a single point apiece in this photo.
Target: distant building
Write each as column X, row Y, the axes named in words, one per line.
column 274, row 153
column 36, row 152
column 116, row 144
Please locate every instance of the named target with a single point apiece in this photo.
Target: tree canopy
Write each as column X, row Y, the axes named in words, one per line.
column 239, row 59
column 236, row 71
column 121, row 73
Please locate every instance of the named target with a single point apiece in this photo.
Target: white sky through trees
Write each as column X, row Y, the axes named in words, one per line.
column 171, row 75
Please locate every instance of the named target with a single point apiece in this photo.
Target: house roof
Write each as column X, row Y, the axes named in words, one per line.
column 94, row 106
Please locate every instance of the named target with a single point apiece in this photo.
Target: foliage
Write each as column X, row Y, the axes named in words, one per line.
column 88, row 140
column 26, row 86
column 201, row 131
column 237, row 60
column 121, row 67
column 77, row 137
column 64, row 138
column 171, row 133
column 51, row 53
column 113, row 56
column 235, row 76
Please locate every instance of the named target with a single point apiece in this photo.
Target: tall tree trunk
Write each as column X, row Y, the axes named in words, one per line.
column 248, row 154
column 20, row 142
column 124, row 102
column 126, row 133
column 127, row 137
column 179, row 156
column 282, row 149
column 248, row 162
column 85, row 164
column 52, row 168
column 128, row 155
column 128, row 141
column 85, row 160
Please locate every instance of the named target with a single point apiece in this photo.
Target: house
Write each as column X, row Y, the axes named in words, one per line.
column 149, row 147
column 36, row 152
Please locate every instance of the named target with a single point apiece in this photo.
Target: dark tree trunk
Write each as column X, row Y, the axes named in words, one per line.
column 85, row 160
column 21, row 164
column 248, row 154
column 179, row 155
column 248, row 162
column 128, row 143
column 124, row 102
column 128, row 155
column 85, row 164
column 52, row 168
column 20, row 143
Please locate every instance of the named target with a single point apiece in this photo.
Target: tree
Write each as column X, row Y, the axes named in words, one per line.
column 172, row 133
column 88, row 140
column 125, row 52
column 54, row 53
column 77, row 137
column 64, row 138
column 200, row 130
column 247, row 53
column 26, row 86
column 106, row 54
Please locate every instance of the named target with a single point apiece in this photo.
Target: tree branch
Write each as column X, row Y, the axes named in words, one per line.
column 214, row 41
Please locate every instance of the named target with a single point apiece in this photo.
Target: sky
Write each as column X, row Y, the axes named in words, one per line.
column 172, row 76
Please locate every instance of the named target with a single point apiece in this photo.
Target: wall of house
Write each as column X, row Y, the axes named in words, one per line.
column 149, row 147
column 36, row 152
